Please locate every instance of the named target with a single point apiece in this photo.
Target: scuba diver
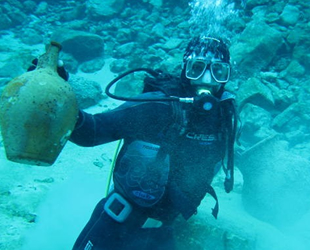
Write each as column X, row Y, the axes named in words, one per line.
column 176, row 136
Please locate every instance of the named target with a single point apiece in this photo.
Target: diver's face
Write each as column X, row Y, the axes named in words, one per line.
column 206, row 83
column 207, row 74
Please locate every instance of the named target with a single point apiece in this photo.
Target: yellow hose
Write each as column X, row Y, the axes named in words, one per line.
column 112, row 167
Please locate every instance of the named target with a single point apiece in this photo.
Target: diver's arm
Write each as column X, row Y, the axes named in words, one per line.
column 129, row 120
column 84, row 131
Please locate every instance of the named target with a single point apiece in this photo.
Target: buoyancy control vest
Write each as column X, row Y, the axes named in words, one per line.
column 171, row 86
column 143, row 167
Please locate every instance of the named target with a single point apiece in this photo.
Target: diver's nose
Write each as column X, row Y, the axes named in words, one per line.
column 206, row 78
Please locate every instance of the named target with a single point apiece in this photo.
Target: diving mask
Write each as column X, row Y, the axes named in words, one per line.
column 196, row 67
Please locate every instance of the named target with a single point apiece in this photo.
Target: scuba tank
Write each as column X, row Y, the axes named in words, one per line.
column 38, row 112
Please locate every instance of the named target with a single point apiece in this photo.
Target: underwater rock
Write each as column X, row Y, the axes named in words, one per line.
column 118, row 66
column 253, row 3
column 82, row 45
column 31, row 37
column 172, row 64
column 11, row 68
column 276, row 182
column 15, row 58
column 290, row 118
column 290, row 15
column 124, row 50
column 29, row 6
column 3, row 82
column 234, row 229
column 145, row 39
column 200, row 235
column 158, row 30
column 155, row 3
column 88, row 93
column 283, row 97
column 124, row 35
column 255, row 92
column 170, row 44
column 74, row 13
column 13, row 13
column 299, row 143
column 99, row 8
column 252, row 55
column 293, row 73
column 42, row 8
column 5, row 21
column 302, row 55
column 269, row 76
column 298, row 35
column 256, row 124
column 92, row 65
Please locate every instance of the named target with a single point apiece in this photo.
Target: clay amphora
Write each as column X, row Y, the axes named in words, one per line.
column 38, row 111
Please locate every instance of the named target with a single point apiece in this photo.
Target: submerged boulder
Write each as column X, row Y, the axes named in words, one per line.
column 290, row 15
column 292, row 118
column 83, row 46
column 99, row 8
column 257, row 46
column 255, row 124
column 255, row 92
column 276, row 182
column 88, row 93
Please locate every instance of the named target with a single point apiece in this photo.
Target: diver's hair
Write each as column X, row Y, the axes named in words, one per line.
column 200, row 46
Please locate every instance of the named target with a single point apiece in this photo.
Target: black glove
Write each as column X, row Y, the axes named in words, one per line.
column 60, row 69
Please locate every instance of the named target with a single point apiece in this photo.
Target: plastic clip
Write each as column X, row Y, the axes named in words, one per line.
column 117, row 207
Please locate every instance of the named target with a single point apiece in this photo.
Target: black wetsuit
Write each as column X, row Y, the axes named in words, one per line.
column 170, row 155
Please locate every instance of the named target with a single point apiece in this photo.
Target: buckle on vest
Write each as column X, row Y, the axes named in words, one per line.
column 152, row 223
column 117, row 207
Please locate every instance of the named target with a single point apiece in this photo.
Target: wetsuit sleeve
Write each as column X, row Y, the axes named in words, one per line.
column 135, row 120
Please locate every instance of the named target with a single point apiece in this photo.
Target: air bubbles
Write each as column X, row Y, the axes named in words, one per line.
column 208, row 17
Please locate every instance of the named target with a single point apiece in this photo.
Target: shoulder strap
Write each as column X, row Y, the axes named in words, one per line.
column 227, row 96
column 179, row 118
column 230, row 121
